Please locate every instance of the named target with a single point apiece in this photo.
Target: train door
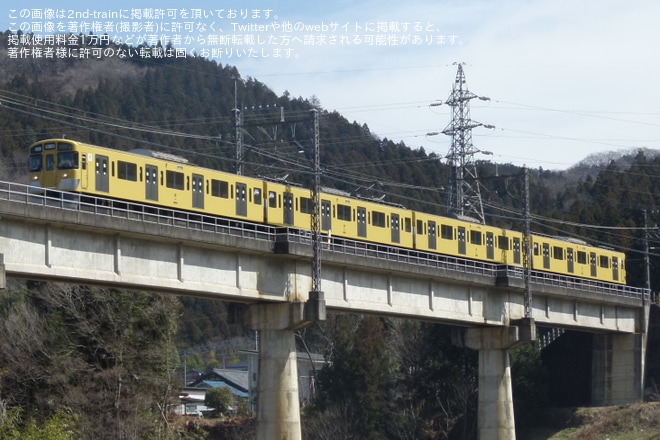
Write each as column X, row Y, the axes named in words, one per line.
column 432, row 235
column 49, row 175
column 362, row 222
column 151, row 182
column 615, row 269
column 198, row 191
column 592, row 263
column 288, row 208
column 326, row 220
column 241, row 199
column 84, row 176
column 569, row 260
column 546, row 256
column 396, row 231
column 102, row 178
column 462, row 249
column 490, row 246
column 516, row 251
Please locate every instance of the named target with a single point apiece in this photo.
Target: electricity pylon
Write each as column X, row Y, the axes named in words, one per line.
column 464, row 195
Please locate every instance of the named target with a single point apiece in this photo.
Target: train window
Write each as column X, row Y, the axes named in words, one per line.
column 127, row 171
column 604, row 261
column 536, row 249
column 408, row 224
column 36, row 162
column 272, row 199
column 344, row 212
column 420, row 227
column 37, row 149
column 378, row 219
column 306, row 205
column 67, row 161
column 49, row 146
column 475, row 237
column 582, row 257
column 63, row 146
column 219, row 188
column 557, row 253
column 257, row 196
column 503, row 243
column 446, row 232
column 174, row 179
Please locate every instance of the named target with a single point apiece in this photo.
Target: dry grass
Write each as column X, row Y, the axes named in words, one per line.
column 640, row 421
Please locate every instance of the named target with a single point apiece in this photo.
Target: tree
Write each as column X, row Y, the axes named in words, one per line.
column 357, row 381
column 59, row 426
column 220, row 399
column 107, row 356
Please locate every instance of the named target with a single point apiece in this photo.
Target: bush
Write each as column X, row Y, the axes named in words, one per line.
column 220, row 399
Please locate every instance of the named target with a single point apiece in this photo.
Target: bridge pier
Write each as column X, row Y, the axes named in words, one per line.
column 618, row 369
column 495, row 419
column 278, row 406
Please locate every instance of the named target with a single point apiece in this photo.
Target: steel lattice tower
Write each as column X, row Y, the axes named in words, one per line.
column 464, row 195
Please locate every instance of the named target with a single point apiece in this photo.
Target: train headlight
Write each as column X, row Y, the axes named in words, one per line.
column 64, row 175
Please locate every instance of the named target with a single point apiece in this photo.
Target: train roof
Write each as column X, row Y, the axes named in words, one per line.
column 160, row 155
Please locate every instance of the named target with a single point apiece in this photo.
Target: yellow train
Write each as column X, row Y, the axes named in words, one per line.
column 166, row 180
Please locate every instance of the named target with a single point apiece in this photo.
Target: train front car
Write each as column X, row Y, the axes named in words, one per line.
column 55, row 164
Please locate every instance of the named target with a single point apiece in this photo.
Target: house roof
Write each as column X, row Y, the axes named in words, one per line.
column 236, row 379
column 221, row 384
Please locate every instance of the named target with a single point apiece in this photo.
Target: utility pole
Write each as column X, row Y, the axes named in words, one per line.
column 527, row 249
column 316, row 209
column 647, row 260
column 315, row 304
column 238, row 124
column 464, row 196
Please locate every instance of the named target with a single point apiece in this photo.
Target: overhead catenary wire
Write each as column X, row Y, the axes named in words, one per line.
column 338, row 174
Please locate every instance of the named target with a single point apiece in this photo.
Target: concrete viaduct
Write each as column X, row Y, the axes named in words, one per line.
column 268, row 269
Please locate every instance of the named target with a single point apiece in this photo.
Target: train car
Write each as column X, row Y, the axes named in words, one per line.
column 143, row 176
column 576, row 258
column 166, row 180
column 467, row 239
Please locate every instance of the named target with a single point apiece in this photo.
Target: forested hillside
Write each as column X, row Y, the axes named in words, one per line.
column 71, row 353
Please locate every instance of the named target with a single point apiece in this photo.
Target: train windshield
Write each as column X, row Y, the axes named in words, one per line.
column 36, row 162
column 67, row 160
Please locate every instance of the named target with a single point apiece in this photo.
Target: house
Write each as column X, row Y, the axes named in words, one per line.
column 242, row 380
column 191, row 398
column 308, row 364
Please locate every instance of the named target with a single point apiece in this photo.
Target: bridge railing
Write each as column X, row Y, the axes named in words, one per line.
column 568, row 282
column 135, row 211
column 391, row 253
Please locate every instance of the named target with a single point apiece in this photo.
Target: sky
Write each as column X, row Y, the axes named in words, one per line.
column 565, row 78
